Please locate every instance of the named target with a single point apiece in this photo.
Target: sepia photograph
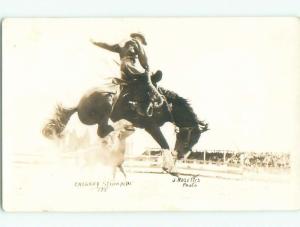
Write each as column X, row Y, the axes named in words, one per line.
column 151, row 114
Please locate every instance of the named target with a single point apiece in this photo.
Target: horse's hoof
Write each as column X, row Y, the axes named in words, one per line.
column 103, row 132
column 168, row 161
column 173, row 173
column 165, row 169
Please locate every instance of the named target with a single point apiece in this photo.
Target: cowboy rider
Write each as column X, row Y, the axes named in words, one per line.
column 129, row 53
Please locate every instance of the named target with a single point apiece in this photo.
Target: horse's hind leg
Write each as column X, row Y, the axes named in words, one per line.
column 103, row 127
column 96, row 109
column 122, row 171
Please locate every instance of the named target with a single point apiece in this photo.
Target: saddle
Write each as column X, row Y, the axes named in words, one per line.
column 114, row 86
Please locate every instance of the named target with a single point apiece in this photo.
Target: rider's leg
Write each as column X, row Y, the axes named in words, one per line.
column 156, row 97
column 103, row 127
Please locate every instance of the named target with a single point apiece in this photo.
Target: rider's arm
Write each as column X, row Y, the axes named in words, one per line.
column 142, row 56
column 113, row 48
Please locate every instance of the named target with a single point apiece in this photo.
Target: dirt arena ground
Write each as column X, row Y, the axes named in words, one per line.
column 64, row 185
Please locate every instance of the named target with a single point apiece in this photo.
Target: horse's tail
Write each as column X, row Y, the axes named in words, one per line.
column 55, row 126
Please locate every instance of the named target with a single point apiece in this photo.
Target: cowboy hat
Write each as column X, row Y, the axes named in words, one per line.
column 139, row 35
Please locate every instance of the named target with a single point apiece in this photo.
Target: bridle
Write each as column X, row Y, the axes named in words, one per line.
column 189, row 132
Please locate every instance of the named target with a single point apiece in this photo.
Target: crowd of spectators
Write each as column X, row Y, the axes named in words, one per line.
column 232, row 158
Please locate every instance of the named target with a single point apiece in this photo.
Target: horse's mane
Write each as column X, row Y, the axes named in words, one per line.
column 180, row 102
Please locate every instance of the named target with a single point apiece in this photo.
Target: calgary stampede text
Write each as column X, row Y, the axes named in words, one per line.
column 102, row 186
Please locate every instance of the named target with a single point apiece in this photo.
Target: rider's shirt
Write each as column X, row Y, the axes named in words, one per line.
column 131, row 51
column 129, row 54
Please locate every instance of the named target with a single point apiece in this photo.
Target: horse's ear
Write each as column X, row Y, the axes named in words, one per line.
column 155, row 78
column 119, row 81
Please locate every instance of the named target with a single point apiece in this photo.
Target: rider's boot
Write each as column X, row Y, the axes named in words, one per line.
column 157, row 76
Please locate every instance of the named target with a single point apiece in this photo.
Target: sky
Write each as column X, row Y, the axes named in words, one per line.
column 241, row 75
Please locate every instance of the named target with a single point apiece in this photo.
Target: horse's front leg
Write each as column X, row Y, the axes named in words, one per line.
column 168, row 159
column 157, row 135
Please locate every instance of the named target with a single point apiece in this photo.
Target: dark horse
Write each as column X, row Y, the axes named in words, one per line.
column 95, row 105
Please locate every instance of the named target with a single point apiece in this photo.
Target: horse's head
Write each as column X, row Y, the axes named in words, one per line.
column 186, row 138
column 143, row 93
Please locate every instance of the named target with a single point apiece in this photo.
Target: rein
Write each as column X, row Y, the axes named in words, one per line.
column 177, row 129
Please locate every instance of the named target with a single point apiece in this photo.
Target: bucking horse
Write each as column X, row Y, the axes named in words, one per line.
column 99, row 103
